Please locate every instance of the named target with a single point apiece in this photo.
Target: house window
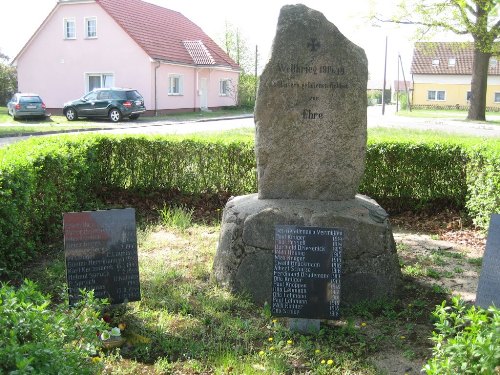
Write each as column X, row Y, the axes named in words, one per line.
column 98, row 80
column 224, row 87
column 469, row 95
column 91, row 27
column 497, row 97
column 435, row 62
column 69, row 28
column 436, row 95
column 175, row 84
column 452, row 62
column 493, row 62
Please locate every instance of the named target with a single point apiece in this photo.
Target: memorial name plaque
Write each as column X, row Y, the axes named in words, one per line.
column 488, row 291
column 306, row 274
column 100, row 248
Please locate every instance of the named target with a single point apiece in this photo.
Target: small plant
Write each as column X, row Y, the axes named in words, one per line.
column 475, row 261
column 43, row 339
column 177, row 217
column 415, row 270
column 466, row 340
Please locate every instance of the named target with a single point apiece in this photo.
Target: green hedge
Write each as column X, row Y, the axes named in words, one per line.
column 42, row 178
column 409, row 175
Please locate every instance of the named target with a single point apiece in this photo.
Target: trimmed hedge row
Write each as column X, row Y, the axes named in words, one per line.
column 42, row 178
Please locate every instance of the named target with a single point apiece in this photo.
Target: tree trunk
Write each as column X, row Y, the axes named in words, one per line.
column 479, row 84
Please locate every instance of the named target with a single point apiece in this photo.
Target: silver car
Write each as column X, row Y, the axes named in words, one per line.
column 26, row 105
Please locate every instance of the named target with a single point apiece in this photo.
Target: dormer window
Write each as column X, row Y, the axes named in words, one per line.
column 69, row 28
column 91, row 27
column 452, row 62
column 435, row 62
column 493, row 63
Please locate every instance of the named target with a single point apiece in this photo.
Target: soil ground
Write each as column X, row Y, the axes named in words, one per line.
column 440, row 242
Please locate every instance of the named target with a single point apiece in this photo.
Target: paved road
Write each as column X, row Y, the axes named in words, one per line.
column 375, row 119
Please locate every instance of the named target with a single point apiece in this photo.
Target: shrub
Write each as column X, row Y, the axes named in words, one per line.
column 412, row 174
column 42, row 178
column 466, row 340
column 37, row 339
column 483, row 183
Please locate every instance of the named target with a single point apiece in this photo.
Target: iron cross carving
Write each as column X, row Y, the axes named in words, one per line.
column 313, row 44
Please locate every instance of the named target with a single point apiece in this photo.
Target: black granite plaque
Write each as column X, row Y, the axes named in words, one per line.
column 100, row 248
column 488, row 290
column 307, row 268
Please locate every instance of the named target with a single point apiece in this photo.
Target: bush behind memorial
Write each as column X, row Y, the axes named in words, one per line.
column 42, row 178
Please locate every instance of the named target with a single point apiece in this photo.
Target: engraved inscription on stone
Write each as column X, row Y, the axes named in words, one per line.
column 306, row 274
column 101, row 254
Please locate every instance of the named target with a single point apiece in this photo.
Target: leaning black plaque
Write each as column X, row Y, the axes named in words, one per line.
column 306, row 275
column 488, row 291
column 100, row 248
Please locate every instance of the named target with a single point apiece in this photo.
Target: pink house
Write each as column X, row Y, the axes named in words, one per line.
column 86, row 44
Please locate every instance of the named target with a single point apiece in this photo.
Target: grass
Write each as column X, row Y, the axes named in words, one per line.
column 493, row 117
column 186, row 324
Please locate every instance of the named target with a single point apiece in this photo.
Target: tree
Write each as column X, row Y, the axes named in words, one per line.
column 236, row 47
column 8, row 79
column 478, row 19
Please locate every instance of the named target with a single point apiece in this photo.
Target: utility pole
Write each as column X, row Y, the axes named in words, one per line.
column 385, row 72
column 406, row 87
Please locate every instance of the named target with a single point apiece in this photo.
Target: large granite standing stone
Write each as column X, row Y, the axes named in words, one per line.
column 310, row 114
column 310, row 145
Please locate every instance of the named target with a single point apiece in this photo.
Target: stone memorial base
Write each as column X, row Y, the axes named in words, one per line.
column 245, row 254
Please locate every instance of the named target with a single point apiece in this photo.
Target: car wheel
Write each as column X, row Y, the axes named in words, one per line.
column 115, row 115
column 71, row 114
column 133, row 117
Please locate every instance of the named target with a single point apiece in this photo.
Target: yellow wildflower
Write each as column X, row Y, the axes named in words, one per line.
column 270, row 339
column 329, row 362
column 289, row 342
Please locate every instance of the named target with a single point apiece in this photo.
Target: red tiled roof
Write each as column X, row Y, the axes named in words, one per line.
column 453, row 58
column 161, row 32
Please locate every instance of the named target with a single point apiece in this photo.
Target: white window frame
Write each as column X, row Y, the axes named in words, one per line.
column 87, row 29
column 493, row 62
column 435, row 62
column 66, row 23
column 495, row 97
column 452, row 61
column 435, row 97
column 175, row 88
column 104, row 78
column 225, row 86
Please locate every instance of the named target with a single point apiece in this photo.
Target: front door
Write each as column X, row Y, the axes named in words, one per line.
column 203, row 93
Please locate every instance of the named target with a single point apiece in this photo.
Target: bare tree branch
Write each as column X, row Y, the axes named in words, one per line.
column 427, row 24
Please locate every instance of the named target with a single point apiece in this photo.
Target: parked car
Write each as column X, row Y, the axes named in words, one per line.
column 115, row 104
column 26, row 105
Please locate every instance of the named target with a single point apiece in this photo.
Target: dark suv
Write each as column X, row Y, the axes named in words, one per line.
column 113, row 103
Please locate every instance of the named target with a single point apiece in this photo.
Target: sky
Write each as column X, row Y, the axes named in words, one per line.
column 256, row 20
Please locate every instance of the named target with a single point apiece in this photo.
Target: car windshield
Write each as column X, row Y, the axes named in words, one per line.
column 30, row 99
column 91, row 96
